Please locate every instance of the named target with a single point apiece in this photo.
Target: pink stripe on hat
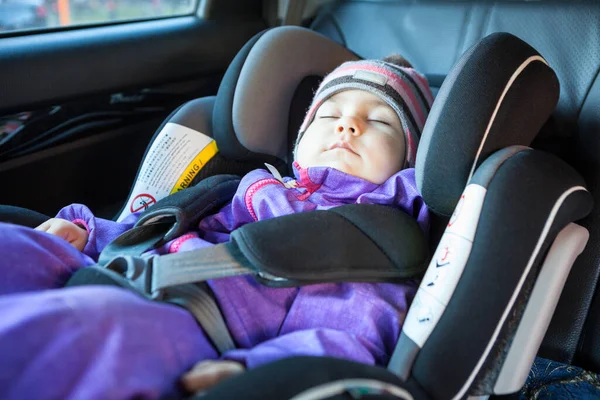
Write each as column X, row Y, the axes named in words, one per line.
column 423, row 84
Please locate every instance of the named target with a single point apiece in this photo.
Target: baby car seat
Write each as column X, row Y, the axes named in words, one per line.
column 490, row 288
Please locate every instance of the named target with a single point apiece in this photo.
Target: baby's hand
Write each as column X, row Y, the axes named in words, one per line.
column 208, row 373
column 67, row 230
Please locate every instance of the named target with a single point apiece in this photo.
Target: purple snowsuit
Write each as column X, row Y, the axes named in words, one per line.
column 107, row 343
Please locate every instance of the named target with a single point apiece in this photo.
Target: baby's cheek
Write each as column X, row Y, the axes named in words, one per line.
column 396, row 148
column 390, row 160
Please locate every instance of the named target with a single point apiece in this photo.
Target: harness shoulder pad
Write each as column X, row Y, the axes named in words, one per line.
column 371, row 243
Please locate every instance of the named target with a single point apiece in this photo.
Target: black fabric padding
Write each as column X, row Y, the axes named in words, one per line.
column 526, row 107
column 464, row 107
column 192, row 204
column 21, row 216
column 352, row 243
column 291, row 376
column 490, row 370
column 378, row 225
column 516, row 208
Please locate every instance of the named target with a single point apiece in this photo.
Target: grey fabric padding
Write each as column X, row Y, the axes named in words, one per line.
column 196, row 115
column 268, row 80
column 485, row 173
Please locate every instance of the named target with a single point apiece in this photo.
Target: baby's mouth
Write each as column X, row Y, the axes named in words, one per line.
column 342, row 145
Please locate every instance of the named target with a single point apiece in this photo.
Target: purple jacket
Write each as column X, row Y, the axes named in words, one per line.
column 358, row 321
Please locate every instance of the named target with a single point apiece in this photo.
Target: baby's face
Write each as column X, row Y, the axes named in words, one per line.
column 357, row 133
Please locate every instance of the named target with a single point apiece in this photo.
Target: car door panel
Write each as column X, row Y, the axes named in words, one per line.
column 79, row 106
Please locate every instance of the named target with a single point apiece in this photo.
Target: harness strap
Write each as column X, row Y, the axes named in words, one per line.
column 214, row 262
column 198, row 300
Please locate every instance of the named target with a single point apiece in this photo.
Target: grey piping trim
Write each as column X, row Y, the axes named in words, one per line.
column 513, row 298
column 329, row 389
column 488, row 169
column 500, row 100
column 404, row 356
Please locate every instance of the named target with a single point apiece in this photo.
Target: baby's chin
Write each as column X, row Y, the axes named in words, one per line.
column 340, row 165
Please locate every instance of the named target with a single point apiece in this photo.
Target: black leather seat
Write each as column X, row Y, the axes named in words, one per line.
column 433, row 35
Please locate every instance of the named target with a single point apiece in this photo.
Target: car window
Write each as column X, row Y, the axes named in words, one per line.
column 18, row 15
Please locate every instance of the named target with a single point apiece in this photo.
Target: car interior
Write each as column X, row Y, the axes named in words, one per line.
column 82, row 105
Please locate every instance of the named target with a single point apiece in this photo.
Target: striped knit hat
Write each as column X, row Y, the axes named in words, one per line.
column 405, row 90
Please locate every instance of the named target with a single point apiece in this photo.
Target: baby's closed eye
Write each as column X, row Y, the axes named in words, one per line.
column 379, row 121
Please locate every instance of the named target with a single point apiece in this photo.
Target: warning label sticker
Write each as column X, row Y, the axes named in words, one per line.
column 176, row 156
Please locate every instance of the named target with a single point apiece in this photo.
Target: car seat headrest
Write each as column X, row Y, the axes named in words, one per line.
column 251, row 116
column 498, row 94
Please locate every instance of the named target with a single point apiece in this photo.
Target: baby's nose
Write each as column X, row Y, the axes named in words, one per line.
column 347, row 125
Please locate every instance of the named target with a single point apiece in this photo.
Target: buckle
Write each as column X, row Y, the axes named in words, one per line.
column 138, row 271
